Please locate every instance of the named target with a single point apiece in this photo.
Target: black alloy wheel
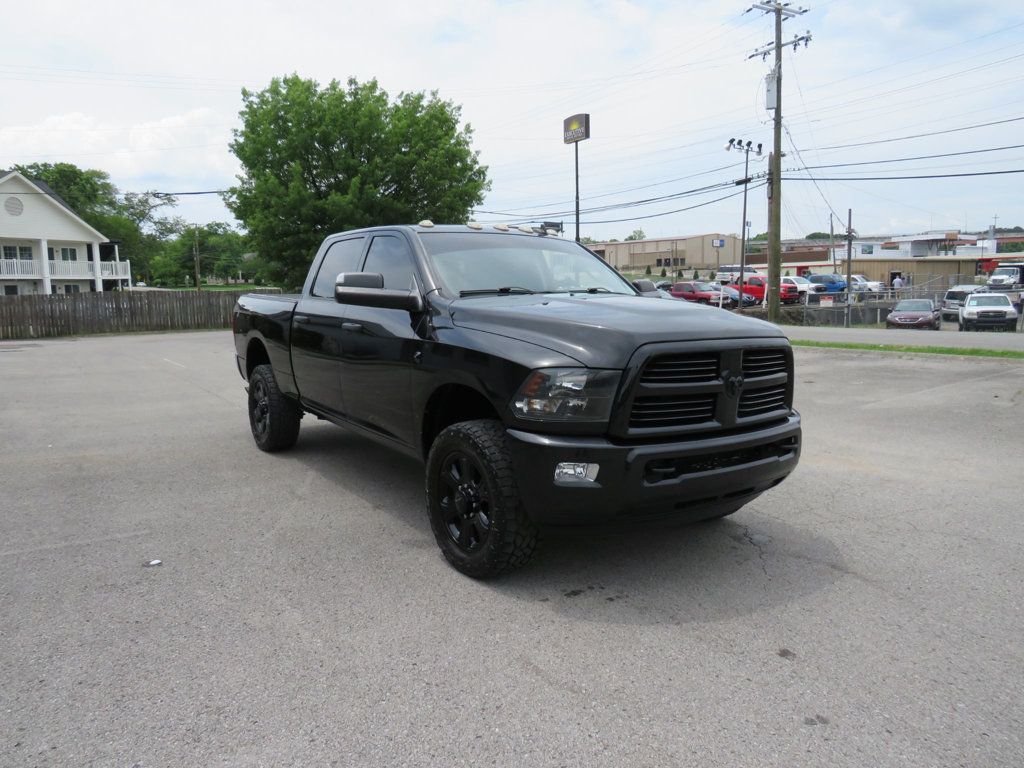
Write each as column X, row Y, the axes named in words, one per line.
column 273, row 417
column 465, row 503
column 477, row 516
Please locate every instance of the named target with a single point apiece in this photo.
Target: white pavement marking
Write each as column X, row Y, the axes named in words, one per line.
column 173, row 363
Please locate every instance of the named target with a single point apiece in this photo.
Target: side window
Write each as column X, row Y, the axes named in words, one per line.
column 390, row 256
column 343, row 256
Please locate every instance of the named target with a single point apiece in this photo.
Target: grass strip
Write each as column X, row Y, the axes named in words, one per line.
column 1006, row 354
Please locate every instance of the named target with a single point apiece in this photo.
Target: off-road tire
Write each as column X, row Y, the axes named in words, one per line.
column 273, row 417
column 510, row 538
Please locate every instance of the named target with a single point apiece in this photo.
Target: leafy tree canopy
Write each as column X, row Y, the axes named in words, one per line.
column 818, row 236
column 762, row 236
column 317, row 160
column 636, row 234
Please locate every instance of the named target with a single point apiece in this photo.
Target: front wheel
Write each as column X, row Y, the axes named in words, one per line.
column 473, row 502
column 273, row 417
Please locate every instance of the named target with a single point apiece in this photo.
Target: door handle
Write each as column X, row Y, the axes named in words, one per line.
column 354, row 327
column 300, row 318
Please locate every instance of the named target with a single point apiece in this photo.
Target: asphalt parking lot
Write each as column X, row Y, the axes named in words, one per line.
column 867, row 612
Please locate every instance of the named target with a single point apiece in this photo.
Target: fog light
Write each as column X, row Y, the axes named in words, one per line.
column 569, row 470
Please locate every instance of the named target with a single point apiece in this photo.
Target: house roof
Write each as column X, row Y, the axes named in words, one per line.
column 49, row 194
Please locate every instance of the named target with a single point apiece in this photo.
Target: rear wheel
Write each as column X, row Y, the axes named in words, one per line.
column 475, row 511
column 273, row 417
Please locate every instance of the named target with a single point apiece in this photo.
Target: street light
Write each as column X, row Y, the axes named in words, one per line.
column 745, row 147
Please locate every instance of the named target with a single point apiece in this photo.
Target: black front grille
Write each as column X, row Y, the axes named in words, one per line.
column 992, row 314
column 681, row 369
column 763, row 362
column 712, row 387
column 655, row 411
column 758, row 402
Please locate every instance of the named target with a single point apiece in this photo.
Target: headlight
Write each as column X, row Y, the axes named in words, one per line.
column 567, row 394
column 970, row 313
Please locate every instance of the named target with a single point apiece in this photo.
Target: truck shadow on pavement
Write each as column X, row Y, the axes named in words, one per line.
column 650, row 572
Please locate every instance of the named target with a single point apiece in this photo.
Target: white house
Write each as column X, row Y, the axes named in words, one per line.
column 45, row 247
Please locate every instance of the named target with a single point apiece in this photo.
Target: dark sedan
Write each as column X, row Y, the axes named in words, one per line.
column 732, row 297
column 914, row 313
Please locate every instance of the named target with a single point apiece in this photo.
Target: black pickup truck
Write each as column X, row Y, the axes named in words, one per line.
column 537, row 384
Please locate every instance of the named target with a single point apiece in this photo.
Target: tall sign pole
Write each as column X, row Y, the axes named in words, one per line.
column 574, row 130
column 782, row 11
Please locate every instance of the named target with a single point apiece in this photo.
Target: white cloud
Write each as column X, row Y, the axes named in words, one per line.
column 149, row 92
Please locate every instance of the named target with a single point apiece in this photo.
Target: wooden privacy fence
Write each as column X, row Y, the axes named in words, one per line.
column 34, row 317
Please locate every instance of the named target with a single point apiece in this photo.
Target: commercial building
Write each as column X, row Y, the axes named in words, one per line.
column 702, row 252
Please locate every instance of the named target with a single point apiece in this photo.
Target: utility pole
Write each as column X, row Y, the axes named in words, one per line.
column 782, row 11
column 745, row 148
column 849, row 263
column 195, row 253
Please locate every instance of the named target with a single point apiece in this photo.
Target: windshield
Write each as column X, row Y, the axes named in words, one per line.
column 1006, row 272
column 990, row 300
column 914, row 305
column 797, row 280
column 704, row 287
column 485, row 262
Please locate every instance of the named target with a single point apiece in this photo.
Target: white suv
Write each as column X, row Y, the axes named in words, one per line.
column 987, row 310
column 861, row 283
column 730, row 273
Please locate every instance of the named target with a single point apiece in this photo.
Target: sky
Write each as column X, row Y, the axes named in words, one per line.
column 150, row 93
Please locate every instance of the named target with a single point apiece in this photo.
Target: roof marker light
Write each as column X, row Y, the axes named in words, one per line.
column 501, row 227
column 474, row 225
column 525, row 228
column 426, row 223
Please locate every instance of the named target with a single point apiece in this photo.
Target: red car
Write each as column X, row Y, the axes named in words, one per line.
column 756, row 285
column 702, row 293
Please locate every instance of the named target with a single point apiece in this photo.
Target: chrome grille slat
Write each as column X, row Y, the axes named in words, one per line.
column 763, row 362
column 758, row 402
column 681, row 369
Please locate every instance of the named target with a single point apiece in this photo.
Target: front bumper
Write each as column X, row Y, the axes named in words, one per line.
column 686, row 479
column 988, row 322
column 925, row 322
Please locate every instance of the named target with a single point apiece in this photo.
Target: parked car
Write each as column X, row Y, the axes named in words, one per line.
column 987, row 310
column 702, row 293
column 533, row 381
column 954, row 298
column 833, row 283
column 861, row 284
column 914, row 313
column 730, row 273
column 757, row 285
column 732, row 298
column 804, row 287
column 663, row 285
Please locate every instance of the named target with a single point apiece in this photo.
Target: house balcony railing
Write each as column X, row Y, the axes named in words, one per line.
column 115, row 269
column 20, row 268
column 81, row 269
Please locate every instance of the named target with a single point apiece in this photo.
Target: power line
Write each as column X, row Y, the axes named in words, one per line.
column 669, row 213
column 888, row 178
column 908, row 159
column 920, row 135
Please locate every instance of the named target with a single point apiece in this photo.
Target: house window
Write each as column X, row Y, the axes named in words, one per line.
column 54, row 289
column 71, row 289
column 69, row 254
column 49, row 253
column 10, row 290
column 10, row 251
column 867, row 249
column 25, row 252
column 657, row 262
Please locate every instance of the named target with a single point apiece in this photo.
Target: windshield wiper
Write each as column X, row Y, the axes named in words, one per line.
column 507, row 289
column 596, row 289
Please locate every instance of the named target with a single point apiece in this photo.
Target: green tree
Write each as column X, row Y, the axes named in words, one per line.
column 696, row 275
column 818, row 236
column 317, row 160
column 636, row 234
column 762, row 236
column 587, row 240
column 648, row 270
column 663, row 272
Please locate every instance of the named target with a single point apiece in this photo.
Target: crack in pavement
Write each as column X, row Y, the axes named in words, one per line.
column 760, row 553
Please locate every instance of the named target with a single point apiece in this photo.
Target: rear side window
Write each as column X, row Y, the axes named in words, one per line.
column 390, row 256
column 342, row 256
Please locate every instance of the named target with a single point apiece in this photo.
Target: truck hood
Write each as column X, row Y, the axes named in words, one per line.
column 600, row 330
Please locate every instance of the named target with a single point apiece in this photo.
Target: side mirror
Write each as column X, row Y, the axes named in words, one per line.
column 366, row 289
column 644, row 285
